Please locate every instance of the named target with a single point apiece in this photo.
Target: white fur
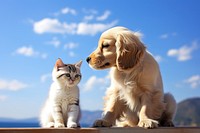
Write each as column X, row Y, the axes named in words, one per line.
column 61, row 98
column 61, row 108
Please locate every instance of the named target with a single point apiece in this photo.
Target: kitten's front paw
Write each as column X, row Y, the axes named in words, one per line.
column 59, row 125
column 50, row 125
column 72, row 125
column 102, row 123
column 148, row 123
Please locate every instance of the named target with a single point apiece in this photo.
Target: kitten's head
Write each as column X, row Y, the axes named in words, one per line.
column 67, row 74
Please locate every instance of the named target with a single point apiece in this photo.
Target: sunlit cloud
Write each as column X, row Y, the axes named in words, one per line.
column 89, row 11
column 193, row 81
column 71, row 45
column 104, row 16
column 48, row 25
column 12, row 85
column 88, row 18
column 29, row 52
column 96, row 82
column 164, row 36
column 26, row 51
column 167, row 35
column 184, row 52
column 65, row 11
column 71, row 54
column 3, row 98
column 94, row 28
column 55, row 26
column 45, row 77
column 68, row 10
column 158, row 58
column 55, row 42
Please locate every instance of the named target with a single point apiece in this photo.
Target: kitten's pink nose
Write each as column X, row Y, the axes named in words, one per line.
column 71, row 81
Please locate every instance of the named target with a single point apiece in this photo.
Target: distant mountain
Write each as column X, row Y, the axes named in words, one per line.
column 29, row 120
column 88, row 117
column 188, row 113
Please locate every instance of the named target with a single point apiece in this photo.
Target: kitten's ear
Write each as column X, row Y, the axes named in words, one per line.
column 59, row 63
column 79, row 64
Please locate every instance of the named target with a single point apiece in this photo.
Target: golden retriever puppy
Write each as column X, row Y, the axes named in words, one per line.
column 135, row 96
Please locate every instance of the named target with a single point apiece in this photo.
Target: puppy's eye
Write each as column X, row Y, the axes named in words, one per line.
column 105, row 45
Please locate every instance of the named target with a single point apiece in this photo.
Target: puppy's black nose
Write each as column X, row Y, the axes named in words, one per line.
column 88, row 59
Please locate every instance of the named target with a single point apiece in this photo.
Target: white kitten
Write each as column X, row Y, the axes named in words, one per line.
column 62, row 106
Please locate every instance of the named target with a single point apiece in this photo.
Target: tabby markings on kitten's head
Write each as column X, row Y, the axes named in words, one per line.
column 68, row 73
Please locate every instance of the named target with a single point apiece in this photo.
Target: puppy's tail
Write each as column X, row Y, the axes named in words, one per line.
column 170, row 111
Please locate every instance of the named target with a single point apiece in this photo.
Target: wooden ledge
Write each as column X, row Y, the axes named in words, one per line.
column 101, row 130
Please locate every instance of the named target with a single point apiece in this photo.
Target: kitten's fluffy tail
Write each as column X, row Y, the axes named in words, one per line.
column 170, row 111
column 46, row 119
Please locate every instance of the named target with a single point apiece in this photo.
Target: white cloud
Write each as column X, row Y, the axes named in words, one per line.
column 95, row 82
column 26, row 51
column 183, row 53
column 88, row 18
column 167, row 35
column 72, row 54
column 55, row 42
column 158, row 58
column 174, row 34
column 68, row 10
column 70, row 45
column 3, row 98
column 164, row 36
column 104, row 16
column 13, row 85
column 45, row 77
column 90, row 11
column 193, row 81
column 43, row 55
column 92, row 29
column 48, row 25
column 29, row 52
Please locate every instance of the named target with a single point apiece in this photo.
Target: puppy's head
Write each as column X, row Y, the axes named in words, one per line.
column 117, row 47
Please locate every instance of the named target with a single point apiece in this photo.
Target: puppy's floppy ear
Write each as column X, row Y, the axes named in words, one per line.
column 129, row 51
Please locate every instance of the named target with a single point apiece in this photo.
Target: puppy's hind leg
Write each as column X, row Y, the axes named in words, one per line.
column 170, row 111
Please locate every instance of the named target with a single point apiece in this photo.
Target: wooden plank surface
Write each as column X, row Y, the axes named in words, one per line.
column 101, row 130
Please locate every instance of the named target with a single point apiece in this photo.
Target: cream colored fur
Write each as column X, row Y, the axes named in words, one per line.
column 135, row 96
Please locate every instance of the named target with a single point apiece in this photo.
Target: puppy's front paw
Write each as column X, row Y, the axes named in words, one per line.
column 59, row 125
column 72, row 125
column 148, row 123
column 102, row 123
column 167, row 124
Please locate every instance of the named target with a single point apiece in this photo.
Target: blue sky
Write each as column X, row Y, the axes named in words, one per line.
column 34, row 33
